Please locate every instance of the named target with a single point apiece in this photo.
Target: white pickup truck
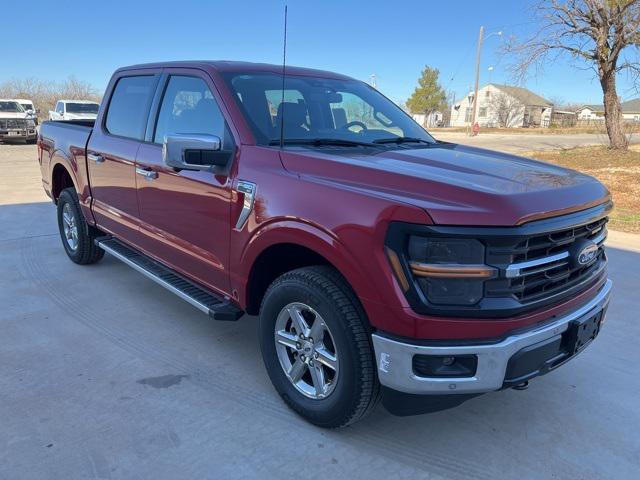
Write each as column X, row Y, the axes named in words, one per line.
column 74, row 110
column 15, row 123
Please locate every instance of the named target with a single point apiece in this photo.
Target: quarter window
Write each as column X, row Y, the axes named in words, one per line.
column 129, row 106
column 188, row 106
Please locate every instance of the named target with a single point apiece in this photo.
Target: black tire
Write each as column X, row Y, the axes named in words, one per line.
column 357, row 389
column 31, row 141
column 86, row 251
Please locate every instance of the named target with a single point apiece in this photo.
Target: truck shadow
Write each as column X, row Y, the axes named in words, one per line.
column 584, row 411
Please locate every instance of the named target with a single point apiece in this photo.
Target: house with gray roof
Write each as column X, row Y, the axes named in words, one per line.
column 630, row 111
column 503, row 106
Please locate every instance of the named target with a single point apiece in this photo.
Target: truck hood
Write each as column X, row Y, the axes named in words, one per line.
column 13, row 115
column 454, row 184
column 80, row 116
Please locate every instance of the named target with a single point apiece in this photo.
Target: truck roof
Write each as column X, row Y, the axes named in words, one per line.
column 240, row 67
column 78, row 101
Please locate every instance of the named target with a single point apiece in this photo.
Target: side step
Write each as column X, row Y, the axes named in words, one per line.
column 215, row 306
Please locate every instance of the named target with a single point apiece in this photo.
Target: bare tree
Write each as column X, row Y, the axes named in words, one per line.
column 603, row 34
column 505, row 108
column 556, row 100
column 74, row 89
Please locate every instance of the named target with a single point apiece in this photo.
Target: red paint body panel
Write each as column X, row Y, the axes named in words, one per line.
column 184, row 219
column 338, row 205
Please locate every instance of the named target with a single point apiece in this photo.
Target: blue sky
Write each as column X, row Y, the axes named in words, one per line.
column 393, row 40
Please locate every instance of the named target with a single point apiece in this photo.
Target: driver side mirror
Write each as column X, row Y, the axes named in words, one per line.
column 194, row 152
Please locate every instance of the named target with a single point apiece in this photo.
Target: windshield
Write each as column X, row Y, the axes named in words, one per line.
column 82, row 108
column 324, row 109
column 12, row 107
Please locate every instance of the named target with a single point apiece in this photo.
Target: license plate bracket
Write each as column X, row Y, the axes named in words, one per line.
column 582, row 332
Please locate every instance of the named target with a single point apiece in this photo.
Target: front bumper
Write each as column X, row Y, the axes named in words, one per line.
column 395, row 359
column 28, row 133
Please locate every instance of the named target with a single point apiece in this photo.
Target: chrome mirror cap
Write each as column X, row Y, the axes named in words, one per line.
column 176, row 149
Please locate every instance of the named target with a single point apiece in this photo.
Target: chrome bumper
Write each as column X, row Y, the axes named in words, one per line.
column 18, row 133
column 395, row 359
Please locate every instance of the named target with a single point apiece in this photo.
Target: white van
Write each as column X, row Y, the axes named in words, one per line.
column 32, row 111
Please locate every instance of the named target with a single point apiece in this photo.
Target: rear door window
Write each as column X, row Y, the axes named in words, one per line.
column 129, row 106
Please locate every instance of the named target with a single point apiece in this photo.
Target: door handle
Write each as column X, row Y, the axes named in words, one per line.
column 95, row 157
column 148, row 174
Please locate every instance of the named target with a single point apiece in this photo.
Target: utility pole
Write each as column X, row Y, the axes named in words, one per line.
column 475, row 94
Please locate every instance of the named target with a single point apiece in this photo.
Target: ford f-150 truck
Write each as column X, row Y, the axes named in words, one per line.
column 74, row 110
column 382, row 263
column 15, row 122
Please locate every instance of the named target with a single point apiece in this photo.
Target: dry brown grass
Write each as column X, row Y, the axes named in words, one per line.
column 619, row 171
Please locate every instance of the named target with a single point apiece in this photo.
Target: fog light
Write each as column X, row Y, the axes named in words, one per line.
column 448, row 361
column 445, row 366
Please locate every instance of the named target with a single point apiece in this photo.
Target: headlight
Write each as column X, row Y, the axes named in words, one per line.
column 448, row 271
column 30, row 122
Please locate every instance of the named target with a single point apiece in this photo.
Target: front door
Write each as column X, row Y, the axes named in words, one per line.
column 111, row 154
column 185, row 215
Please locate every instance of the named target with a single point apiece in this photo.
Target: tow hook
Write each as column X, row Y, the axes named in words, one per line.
column 521, row 386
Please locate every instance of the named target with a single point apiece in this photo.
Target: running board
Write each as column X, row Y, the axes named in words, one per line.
column 213, row 305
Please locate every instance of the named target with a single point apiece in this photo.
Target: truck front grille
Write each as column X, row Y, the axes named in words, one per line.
column 537, row 264
column 8, row 123
column 540, row 266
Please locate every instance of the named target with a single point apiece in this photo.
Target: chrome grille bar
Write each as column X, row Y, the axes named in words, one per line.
column 514, row 270
column 546, row 263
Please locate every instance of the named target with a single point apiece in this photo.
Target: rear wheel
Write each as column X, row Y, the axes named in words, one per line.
column 316, row 347
column 77, row 236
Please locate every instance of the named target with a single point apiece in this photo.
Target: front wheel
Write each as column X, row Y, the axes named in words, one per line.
column 316, row 346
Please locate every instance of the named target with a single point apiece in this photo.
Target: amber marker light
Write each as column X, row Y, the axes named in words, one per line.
column 397, row 269
column 451, row 271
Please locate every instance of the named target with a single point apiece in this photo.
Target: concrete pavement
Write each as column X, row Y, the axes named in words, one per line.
column 104, row 374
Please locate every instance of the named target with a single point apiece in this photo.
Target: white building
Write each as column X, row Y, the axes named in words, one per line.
column 433, row 119
column 630, row 111
column 503, row 106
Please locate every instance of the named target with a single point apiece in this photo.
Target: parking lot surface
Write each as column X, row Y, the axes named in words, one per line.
column 104, row 374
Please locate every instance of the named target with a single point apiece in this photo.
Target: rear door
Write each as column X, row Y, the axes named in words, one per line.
column 185, row 215
column 112, row 150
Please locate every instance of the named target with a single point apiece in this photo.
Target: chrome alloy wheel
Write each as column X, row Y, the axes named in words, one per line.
column 70, row 227
column 306, row 350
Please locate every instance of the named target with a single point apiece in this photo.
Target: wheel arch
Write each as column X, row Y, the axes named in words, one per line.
column 63, row 174
column 285, row 247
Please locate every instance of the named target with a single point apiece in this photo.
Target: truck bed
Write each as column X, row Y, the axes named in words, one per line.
column 65, row 142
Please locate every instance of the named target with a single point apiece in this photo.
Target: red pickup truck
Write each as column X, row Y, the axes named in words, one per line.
column 382, row 263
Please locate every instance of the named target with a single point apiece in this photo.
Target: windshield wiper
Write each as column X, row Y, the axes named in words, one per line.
column 402, row 140
column 322, row 141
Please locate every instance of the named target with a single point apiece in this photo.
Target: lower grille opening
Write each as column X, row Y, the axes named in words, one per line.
column 445, row 366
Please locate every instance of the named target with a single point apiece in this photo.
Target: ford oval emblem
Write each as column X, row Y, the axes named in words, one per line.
column 587, row 254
